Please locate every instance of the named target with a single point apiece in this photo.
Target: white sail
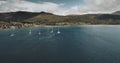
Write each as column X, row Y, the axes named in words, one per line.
column 30, row 32
column 39, row 33
column 58, row 32
column 51, row 31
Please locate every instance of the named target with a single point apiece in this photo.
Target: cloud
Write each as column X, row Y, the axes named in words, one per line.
column 23, row 5
column 89, row 6
column 96, row 6
column 103, row 5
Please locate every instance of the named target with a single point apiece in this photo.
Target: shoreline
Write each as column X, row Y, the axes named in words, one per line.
column 14, row 27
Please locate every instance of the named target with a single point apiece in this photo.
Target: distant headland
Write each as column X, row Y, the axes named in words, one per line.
column 21, row 19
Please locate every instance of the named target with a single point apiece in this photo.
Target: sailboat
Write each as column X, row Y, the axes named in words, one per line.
column 39, row 33
column 12, row 35
column 30, row 32
column 58, row 32
column 51, row 31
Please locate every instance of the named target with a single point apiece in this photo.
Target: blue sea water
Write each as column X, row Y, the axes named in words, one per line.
column 75, row 44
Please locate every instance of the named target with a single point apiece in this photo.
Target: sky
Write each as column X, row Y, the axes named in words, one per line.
column 61, row 7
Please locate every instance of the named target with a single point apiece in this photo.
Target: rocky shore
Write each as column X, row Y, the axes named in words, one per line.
column 15, row 25
column 18, row 25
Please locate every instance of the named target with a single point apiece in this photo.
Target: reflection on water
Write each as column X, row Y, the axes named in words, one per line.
column 73, row 44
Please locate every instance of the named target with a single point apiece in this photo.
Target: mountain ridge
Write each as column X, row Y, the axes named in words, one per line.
column 21, row 18
column 19, row 15
column 117, row 12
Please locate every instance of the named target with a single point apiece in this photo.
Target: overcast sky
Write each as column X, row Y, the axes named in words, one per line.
column 61, row 7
